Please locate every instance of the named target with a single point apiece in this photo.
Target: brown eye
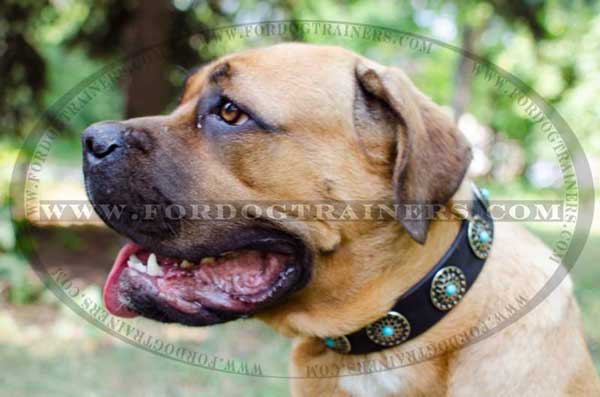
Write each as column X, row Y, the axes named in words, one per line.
column 231, row 114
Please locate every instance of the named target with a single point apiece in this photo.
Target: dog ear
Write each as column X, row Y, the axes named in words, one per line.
column 432, row 155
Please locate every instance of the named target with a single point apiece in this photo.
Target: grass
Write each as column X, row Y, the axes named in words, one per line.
column 122, row 371
column 63, row 362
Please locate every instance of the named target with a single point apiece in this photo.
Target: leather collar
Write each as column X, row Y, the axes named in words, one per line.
column 428, row 301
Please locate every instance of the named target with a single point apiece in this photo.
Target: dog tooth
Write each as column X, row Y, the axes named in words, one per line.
column 185, row 264
column 209, row 260
column 137, row 266
column 135, row 263
column 134, row 259
column 153, row 267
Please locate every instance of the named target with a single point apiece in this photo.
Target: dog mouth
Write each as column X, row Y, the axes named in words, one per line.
column 212, row 289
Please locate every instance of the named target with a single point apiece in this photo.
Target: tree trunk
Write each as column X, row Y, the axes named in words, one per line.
column 147, row 85
column 463, row 74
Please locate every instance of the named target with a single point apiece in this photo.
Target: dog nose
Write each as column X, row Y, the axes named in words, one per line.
column 101, row 140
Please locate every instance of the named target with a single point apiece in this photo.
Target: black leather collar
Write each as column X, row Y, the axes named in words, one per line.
column 427, row 302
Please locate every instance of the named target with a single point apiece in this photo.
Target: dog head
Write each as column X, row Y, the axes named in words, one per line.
column 291, row 123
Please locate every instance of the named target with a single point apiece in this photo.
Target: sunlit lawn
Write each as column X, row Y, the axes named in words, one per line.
column 97, row 366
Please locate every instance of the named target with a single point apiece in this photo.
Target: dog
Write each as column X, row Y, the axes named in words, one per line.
column 305, row 123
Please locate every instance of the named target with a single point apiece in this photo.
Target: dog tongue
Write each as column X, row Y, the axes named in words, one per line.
column 111, row 288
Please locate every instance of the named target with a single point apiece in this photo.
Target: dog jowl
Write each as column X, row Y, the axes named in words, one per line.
column 176, row 269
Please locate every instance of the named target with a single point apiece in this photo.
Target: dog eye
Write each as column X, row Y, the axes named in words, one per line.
column 231, row 114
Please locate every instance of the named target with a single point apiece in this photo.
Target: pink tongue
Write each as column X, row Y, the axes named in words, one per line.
column 111, row 288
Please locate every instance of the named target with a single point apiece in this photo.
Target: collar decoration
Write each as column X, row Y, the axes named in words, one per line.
column 428, row 301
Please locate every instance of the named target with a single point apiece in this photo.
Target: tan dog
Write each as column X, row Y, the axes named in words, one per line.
column 309, row 123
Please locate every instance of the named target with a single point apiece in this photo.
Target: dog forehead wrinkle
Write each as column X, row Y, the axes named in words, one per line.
column 195, row 83
column 219, row 72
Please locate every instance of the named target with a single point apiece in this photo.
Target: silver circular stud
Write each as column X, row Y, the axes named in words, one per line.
column 390, row 330
column 481, row 236
column 448, row 287
column 340, row 344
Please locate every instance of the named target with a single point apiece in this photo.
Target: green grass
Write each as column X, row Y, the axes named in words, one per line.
column 122, row 371
column 98, row 367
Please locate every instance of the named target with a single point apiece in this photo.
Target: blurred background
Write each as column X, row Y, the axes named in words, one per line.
column 48, row 47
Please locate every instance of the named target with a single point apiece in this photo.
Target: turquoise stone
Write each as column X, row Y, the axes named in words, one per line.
column 388, row 330
column 450, row 289
column 329, row 342
column 485, row 193
column 484, row 237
